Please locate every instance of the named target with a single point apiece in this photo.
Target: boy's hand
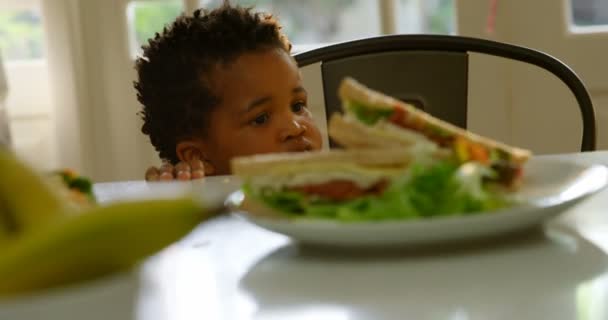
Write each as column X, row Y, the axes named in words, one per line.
column 194, row 169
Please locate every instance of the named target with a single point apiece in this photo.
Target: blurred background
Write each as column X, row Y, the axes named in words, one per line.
column 68, row 67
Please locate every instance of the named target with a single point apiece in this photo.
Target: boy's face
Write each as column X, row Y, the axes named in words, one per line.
column 263, row 109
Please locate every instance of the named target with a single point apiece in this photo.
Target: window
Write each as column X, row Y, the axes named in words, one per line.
column 426, row 16
column 319, row 21
column 589, row 12
column 145, row 18
column 22, row 45
column 21, row 36
column 312, row 22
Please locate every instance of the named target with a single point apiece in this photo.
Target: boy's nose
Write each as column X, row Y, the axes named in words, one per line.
column 292, row 130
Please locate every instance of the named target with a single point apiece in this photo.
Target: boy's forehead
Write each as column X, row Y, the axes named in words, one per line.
column 259, row 70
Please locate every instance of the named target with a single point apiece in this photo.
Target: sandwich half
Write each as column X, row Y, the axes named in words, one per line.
column 357, row 184
column 374, row 120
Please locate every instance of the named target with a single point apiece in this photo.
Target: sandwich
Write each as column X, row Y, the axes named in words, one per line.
column 363, row 184
column 374, row 120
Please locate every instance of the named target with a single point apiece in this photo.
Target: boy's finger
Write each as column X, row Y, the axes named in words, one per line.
column 197, row 174
column 152, row 174
column 166, row 176
column 197, row 169
column 166, row 172
column 197, row 164
column 183, row 175
column 182, row 171
column 166, row 167
column 182, row 166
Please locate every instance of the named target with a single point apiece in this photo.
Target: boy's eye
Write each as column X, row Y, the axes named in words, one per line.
column 261, row 119
column 298, row 107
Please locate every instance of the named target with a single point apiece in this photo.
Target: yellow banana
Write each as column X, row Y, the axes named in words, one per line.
column 7, row 230
column 96, row 242
column 27, row 200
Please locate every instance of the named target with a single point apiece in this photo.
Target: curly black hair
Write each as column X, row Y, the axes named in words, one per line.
column 173, row 84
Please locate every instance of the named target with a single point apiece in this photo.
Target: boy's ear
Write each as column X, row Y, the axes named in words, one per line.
column 189, row 150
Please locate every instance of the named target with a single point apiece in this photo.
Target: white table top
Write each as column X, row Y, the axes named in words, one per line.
column 229, row 269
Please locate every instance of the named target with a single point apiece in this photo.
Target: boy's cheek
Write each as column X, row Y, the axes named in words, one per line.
column 255, row 141
column 317, row 141
column 314, row 134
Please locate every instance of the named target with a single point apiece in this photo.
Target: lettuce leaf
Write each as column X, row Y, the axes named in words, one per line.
column 439, row 190
column 368, row 115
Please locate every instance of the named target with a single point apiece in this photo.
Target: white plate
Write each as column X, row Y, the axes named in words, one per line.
column 211, row 190
column 550, row 186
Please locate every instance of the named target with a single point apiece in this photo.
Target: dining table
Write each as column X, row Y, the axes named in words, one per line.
column 228, row 268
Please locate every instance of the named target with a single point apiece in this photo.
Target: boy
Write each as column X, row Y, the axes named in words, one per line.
column 217, row 85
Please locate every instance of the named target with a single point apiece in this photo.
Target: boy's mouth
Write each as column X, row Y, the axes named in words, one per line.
column 299, row 145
